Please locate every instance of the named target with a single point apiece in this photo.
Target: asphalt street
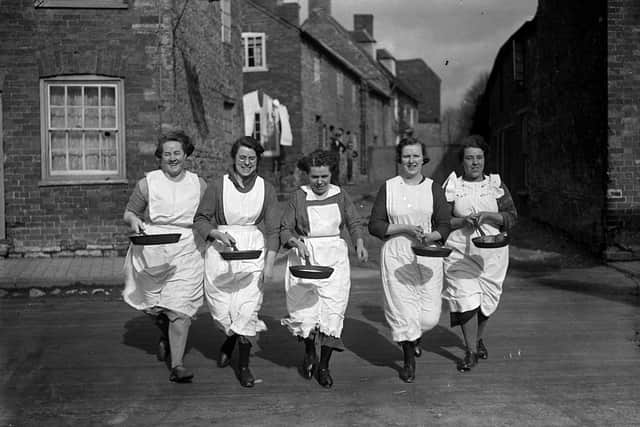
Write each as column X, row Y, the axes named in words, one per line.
column 563, row 351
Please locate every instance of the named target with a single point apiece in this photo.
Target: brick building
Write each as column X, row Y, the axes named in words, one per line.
column 544, row 112
column 328, row 77
column 86, row 88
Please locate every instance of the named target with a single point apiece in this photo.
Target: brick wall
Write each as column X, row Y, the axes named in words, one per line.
column 623, row 187
column 568, row 139
column 67, row 220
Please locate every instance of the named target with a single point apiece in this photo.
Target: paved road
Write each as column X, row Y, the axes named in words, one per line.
column 563, row 351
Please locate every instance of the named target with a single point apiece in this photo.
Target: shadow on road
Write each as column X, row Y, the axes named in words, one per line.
column 603, row 291
column 277, row 345
column 366, row 342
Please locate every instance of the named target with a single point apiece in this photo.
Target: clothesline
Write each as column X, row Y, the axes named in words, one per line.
column 274, row 124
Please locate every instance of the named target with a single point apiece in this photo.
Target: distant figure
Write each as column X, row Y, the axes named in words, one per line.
column 351, row 154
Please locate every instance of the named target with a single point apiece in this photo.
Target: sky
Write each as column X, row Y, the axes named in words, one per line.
column 458, row 39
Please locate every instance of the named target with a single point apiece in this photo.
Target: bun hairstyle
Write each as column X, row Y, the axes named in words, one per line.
column 411, row 141
column 249, row 142
column 473, row 141
column 176, row 135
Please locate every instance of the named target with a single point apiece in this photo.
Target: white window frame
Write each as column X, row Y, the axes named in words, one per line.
column 84, row 176
column 225, row 19
column 262, row 37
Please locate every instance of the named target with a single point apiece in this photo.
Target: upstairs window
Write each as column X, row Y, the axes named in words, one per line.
column 255, row 56
column 339, row 84
column 225, row 18
column 82, row 130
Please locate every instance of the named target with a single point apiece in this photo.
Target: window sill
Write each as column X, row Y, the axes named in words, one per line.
column 61, row 182
column 254, row 69
column 83, row 4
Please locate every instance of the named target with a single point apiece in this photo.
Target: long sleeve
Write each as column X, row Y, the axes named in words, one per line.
column 379, row 220
column 507, row 208
column 441, row 218
column 139, row 199
column 205, row 218
column 271, row 218
column 288, row 221
column 353, row 220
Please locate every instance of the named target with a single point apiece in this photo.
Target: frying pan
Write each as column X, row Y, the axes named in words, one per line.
column 432, row 251
column 499, row 240
column 154, row 239
column 237, row 255
column 309, row 271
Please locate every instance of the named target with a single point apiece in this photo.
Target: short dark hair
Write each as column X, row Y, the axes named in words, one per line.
column 411, row 141
column 317, row 158
column 249, row 142
column 472, row 141
column 175, row 135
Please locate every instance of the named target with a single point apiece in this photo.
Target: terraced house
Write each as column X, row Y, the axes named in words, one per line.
column 86, row 86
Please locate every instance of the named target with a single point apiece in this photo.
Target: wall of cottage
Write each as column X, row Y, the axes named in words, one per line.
column 176, row 74
column 568, row 155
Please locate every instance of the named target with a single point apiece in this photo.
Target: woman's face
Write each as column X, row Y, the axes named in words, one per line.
column 319, row 179
column 173, row 157
column 473, row 163
column 246, row 161
column 411, row 160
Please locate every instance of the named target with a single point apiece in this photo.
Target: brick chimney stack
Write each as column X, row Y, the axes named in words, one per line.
column 363, row 22
column 324, row 5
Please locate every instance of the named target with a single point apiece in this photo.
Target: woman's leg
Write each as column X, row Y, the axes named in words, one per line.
column 324, row 377
column 162, row 322
column 224, row 358
column 178, row 333
column 408, row 371
column 310, row 357
column 482, row 323
column 244, row 350
column 469, row 331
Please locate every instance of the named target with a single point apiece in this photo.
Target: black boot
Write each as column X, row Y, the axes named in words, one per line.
column 408, row 371
column 470, row 360
column 244, row 373
column 324, row 376
column 483, row 353
column 417, row 349
column 310, row 359
column 224, row 358
column 163, row 352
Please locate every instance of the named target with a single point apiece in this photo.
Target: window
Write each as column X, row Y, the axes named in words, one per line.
column 518, row 61
column 227, row 120
column 256, row 128
column 82, row 130
column 225, row 18
column 82, row 4
column 316, row 68
column 255, row 57
column 339, row 83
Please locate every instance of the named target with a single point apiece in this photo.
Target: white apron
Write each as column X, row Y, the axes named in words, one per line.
column 412, row 285
column 234, row 289
column 474, row 276
column 167, row 276
column 320, row 303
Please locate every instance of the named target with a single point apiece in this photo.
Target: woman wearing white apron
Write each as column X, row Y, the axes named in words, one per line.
column 166, row 280
column 231, row 210
column 311, row 226
column 410, row 209
column 474, row 276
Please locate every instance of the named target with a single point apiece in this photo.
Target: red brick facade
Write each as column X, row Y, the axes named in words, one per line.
column 175, row 72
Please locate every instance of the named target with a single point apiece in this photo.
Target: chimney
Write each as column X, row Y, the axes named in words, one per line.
column 289, row 12
column 363, row 22
column 323, row 5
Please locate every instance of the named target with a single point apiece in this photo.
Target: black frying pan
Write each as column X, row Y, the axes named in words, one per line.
column 432, row 251
column 237, row 255
column 154, row 239
column 499, row 240
column 308, row 271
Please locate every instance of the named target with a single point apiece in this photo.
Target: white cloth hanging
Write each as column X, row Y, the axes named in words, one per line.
column 286, row 137
column 251, row 106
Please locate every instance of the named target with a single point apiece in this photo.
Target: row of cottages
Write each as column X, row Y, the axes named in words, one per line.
column 330, row 80
column 86, row 86
column 561, row 113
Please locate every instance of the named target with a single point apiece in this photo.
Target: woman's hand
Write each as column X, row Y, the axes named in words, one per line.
column 223, row 237
column 361, row 251
column 136, row 225
column 434, row 236
column 493, row 218
column 299, row 244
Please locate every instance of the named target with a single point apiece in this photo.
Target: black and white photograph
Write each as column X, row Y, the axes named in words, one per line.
column 319, row 213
